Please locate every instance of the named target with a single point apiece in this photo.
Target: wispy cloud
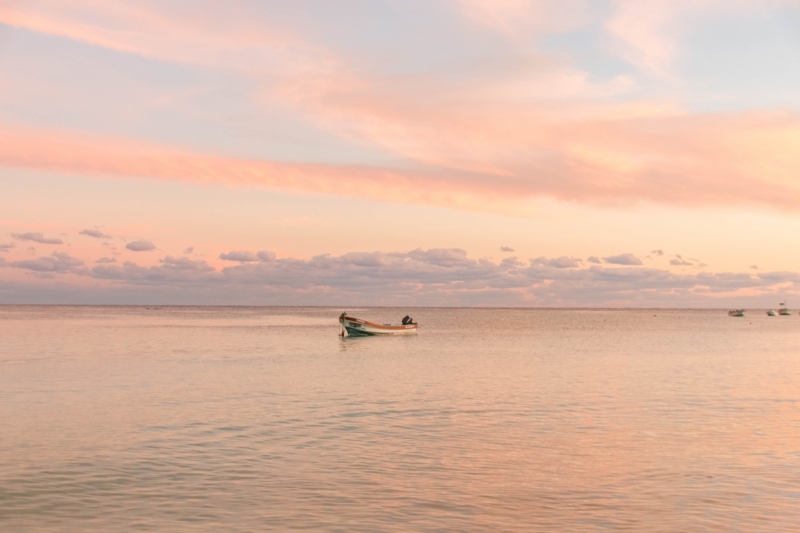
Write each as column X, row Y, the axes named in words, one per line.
column 649, row 34
column 489, row 140
column 176, row 32
column 680, row 261
column 524, row 20
column 646, row 34
column 6, row 247
column 730, row 177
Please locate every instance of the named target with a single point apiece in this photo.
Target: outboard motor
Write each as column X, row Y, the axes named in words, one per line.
column 407, row 320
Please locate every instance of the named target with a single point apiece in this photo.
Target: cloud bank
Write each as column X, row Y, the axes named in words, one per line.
column 418, row 277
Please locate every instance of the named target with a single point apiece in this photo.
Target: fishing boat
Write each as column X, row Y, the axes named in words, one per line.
column 360, row 327
column 736, row 312
column 770, row 313
column 784, row 311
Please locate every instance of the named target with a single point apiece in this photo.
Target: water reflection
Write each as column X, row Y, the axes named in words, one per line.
column 243, row 419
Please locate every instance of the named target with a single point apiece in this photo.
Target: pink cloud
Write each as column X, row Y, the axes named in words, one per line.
column 537, row 128
column 180, row 32
column 578, row 146
column 84, row 154
column 724, row 159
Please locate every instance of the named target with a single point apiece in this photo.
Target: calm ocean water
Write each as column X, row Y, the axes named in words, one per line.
column 184, row 419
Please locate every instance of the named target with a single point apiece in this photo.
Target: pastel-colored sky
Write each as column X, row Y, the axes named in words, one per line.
column 439, row 152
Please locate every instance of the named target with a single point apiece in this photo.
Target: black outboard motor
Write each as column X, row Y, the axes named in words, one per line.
column 407, row 320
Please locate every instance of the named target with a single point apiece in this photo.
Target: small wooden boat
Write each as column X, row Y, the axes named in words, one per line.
column 736, row 312
column 359, row 327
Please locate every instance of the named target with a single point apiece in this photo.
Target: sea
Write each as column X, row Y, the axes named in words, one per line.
column 261, row 419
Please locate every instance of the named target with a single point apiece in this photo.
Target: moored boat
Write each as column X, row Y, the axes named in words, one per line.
column 360, row 327
column 770, row 313
column 784, row 311
column 736, row 312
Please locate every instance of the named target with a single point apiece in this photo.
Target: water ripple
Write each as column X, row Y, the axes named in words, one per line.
column 207, row 419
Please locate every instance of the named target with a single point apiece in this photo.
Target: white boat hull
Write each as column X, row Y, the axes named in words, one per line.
column 359, row 327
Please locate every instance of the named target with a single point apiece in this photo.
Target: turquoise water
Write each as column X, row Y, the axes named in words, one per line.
column 262, row 419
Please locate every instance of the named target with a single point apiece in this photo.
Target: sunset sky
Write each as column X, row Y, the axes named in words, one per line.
column 548, row 153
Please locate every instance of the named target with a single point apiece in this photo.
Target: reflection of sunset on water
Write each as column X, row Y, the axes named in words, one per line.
column 512, row 420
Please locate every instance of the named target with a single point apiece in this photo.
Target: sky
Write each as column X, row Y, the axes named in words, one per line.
column 537, row 153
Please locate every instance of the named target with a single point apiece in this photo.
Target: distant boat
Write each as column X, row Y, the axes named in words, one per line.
column 784, row 311
column 736, row 312
column 359, row 327
column 770, row 313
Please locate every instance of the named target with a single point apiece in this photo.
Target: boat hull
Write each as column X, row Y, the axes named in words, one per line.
column 358, row 327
